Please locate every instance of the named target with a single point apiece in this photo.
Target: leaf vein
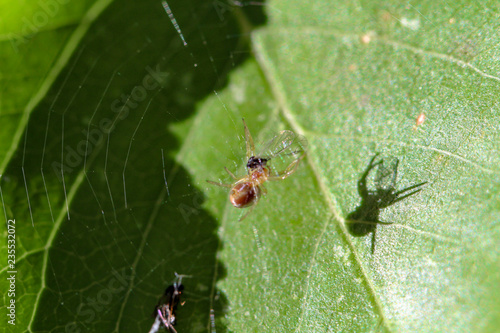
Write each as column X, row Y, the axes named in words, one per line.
column 85, row 23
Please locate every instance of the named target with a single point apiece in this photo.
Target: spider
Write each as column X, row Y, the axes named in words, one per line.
column 285, row 149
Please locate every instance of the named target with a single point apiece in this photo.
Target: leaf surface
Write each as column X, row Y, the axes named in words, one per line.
column 353, row 79
column 107, row 179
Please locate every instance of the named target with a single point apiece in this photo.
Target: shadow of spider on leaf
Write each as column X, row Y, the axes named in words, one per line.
column 365, row 218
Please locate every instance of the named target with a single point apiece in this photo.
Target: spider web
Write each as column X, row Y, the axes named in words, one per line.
column 105, row 214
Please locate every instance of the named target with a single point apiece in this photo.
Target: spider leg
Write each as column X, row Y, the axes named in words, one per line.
column 394, row 178
column 373, row 160
column 373, row 240
column 249, row 141
column 249, row 210
column 374, row 235
column 410, row 188
column 405, row 196
column 289, row 170
column 385, row 223
column 230, row 173
column 362, row 189
column 406, row 190
column 246, row 214
column 171, row 321
column 164, row 321
column 263, row 189
column 219, row 184
column 180, row 277
column 368, row 222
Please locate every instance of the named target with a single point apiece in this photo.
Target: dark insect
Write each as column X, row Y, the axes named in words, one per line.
column 167, row 305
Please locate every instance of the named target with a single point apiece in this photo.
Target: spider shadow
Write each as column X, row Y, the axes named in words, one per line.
column 365, row 218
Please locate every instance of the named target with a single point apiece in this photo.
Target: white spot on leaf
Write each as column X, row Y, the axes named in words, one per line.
column 410, row 24
column 238, row 92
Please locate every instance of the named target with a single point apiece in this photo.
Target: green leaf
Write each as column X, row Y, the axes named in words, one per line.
column 97, row 244
column 52, row 26
column 353, row 79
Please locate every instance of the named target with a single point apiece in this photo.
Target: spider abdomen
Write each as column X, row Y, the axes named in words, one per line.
column 244, row 194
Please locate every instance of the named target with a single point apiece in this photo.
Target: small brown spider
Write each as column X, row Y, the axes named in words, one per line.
column 285, row 149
